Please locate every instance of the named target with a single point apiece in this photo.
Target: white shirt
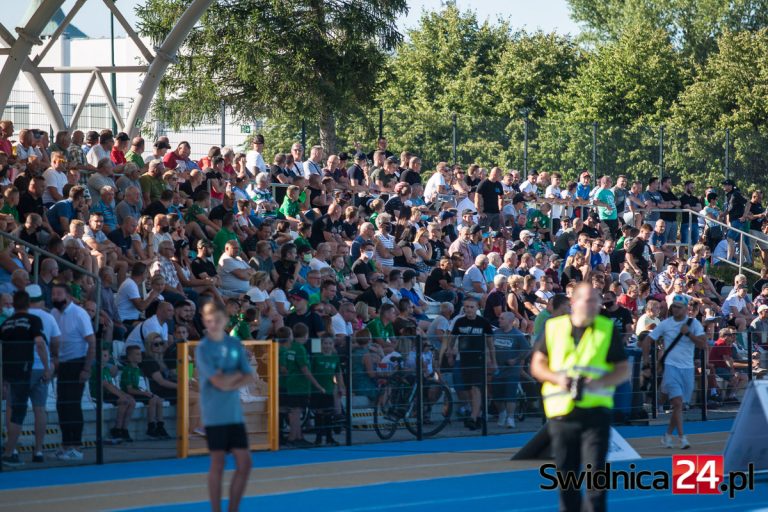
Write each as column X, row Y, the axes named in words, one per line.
column 529, row 188
column 50, row 331
column 474, row 275
column 681, row 356
column 257, row 295
column 254, row 162
column 125, row 309
column 144, row 329
column 433, row 185
column 537, row 273
column 55, row 179
column 316, row 264
column 339, row 326
column 95, row 154
column 734, row 301
column 229, row 282
column 310, row 168
column 75, row 325
column 554, row 192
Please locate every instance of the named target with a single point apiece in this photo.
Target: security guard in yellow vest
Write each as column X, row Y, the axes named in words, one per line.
column 580, row 359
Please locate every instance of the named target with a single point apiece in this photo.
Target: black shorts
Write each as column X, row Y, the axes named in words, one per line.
column 19, row 388
column 321, row 401
column 471, row 371
column 141, row 399
column 294, row 401
column 225, row 438
column 109, row 398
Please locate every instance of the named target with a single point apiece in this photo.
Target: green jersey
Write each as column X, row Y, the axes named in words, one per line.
column 324, row 368
column 379, row 330
column 94, row 382
column 130, row 377
column 293, row 359
column 605, row 195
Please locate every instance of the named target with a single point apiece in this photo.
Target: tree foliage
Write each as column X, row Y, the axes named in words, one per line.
column 312, row 59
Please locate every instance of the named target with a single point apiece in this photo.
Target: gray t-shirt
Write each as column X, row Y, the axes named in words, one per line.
column 228, row 356
column 510, row 345
column 474, row 275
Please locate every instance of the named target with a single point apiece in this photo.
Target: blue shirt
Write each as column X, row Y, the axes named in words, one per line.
column 228, row 356
column 63, row 208
column 655, row 198
column 108, row 211
column 582, row 191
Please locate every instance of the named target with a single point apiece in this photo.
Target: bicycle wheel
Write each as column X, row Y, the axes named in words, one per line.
column 386, row 416
column 438, row 407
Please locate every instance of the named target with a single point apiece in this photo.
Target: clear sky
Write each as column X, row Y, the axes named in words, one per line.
column 548, row 15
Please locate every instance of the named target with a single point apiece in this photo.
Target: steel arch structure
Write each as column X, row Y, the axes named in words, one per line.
column 19, row 49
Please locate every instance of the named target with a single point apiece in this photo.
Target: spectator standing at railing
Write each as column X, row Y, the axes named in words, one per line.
column 689, row 224
column 55, row 179
column 254, row 159
column 735, row 210
column 73, row 363
column 670, row 202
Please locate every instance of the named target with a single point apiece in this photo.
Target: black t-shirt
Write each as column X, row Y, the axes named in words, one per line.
column 311, row 319
column 319, row 228
column 637, row 248
column 284, row 267
column 757, row 289
column 756, row 209
column 357, row 173
column 154, row 208
column 348, row 230
column 202, row 265
column 591, row 232
column 570, row 273
column 18, row 335
column 668, row 216
column 530, row 298
column 490, row 191
column 313, row 194
column 432, row 285
column 472, row 183
column 622, row 318
column 410, row 176
column 187, row 189
column 438, row 250
column 494, row 299
column 735, row 205
column 218, row 213
column 688, row 200
column 616, row 352
column 370, row 299
column 472, row 336
column 362, row 267
column 394, row 205
column 29, row 204
column 117, row 237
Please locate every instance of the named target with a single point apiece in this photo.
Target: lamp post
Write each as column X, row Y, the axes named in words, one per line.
column 114, row 75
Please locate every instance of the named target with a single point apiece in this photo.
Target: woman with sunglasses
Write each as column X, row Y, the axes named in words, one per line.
column 182, row 263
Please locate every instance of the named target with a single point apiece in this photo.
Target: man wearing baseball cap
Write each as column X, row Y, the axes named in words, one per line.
column 681, row 335
column 301, row 314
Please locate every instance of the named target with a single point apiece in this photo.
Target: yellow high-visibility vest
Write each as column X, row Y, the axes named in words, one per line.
column 588, row 359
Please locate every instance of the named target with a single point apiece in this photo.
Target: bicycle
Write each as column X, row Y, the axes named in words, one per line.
column 397, row 403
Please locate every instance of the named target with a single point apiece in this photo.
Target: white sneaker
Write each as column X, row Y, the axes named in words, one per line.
column 511, row 422
column 71, row 455
column 684, row 444
column 666, row 441
column 502, row 418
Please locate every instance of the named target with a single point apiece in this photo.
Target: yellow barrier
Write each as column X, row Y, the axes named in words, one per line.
column 260, row 401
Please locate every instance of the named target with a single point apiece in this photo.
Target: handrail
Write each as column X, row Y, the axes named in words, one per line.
column 742, row 234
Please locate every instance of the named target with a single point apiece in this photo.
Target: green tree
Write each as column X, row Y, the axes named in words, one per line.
column 728, row 94
column 284, row 59
column 627, row 87
column 446, row 66
column 693, row 25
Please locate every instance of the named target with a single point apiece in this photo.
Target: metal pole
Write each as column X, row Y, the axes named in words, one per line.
column 99, row 389
column 348, row 416
column 5, row 410
column 703, row 384
column 454, row 138
column 419, row 390
column 223, row 107
column 741, row 250
column 749, row 356
column 381, row 122
column 654, row 382
column 727, row 153
column 661, row 151
column 304, row 135
column 594, row 150
column 113, row 75
column 525, row 146
column 484, row 389
column 36, row 270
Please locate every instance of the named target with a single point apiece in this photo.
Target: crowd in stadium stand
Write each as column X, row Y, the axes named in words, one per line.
column 365, row 248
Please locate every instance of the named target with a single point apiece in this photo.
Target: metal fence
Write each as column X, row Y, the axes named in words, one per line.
column 639, row 151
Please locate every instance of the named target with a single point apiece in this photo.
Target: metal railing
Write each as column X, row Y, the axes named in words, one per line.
column 38, row 253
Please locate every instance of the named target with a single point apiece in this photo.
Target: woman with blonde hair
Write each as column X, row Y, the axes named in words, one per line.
column 142, row 241
column 515, row 302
